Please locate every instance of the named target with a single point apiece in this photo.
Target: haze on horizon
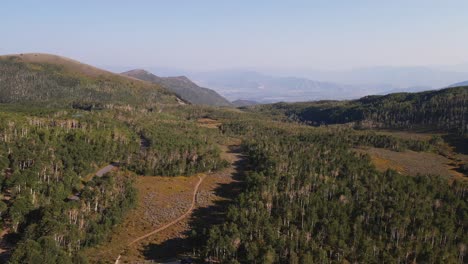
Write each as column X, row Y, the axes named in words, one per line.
column 263, row 35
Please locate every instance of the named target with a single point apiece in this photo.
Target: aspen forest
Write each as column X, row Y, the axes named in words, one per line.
column 309, row 198
column 53, row 203
column 97, row 167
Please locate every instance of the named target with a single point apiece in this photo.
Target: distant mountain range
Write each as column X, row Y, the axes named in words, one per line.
column 465, row 83
column 394, row 76
column 263, row 88
column 241, row 103
column 321, row 85
column 183, row 87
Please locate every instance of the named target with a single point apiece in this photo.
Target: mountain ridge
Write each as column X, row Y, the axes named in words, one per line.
column 183, row 87
column 465, row 83
column 442, row 109
column 54, row 80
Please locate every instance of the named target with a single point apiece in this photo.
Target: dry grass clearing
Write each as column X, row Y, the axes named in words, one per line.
column 208, row 123
column 412, row 163
column 160, row 200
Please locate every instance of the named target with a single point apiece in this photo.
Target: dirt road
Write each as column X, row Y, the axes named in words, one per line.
column 175, row 221
column 169, row 209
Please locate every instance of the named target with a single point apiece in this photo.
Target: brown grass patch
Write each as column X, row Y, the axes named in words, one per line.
column 160, row 200
column 409, row 134
column 412, row 163
column 384, row 164
column 208, row 123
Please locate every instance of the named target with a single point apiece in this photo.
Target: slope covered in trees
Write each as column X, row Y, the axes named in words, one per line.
column 310, row 199
column 52, row 205
column 50, row 79
column 44, row 160
column 183, row 87
column 445, row 109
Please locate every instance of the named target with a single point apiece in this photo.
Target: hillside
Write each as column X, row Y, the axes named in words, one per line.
column 44, row 78
column 445, row 109
column 183, row 87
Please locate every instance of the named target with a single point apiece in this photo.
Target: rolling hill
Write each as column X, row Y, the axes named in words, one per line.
column 53, row 80
column 444, row 109
column 183, row 87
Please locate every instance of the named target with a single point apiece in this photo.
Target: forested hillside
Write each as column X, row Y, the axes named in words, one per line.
column 445, row 110
column 50, row 79
column 183, row 87
column 52, row 206
column 309, row 198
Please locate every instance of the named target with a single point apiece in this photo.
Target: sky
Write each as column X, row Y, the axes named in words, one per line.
column 253, row 34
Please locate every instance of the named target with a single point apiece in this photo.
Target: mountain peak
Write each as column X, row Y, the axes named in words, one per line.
column 136, row 71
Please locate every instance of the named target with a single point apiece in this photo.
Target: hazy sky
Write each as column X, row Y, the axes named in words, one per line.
column 201, row 35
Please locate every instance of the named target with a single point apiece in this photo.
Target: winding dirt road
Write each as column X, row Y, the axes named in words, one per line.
column 175, row 221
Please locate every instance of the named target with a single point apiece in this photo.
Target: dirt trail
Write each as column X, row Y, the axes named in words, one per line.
column 169, row 209
column 175, row 221
column 192, row 206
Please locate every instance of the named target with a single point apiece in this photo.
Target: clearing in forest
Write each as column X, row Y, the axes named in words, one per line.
column 412, row 163
column 160, row 200
column 163, row 202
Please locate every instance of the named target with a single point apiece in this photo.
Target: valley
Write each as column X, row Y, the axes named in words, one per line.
column 93, row 175
column 234, row 132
